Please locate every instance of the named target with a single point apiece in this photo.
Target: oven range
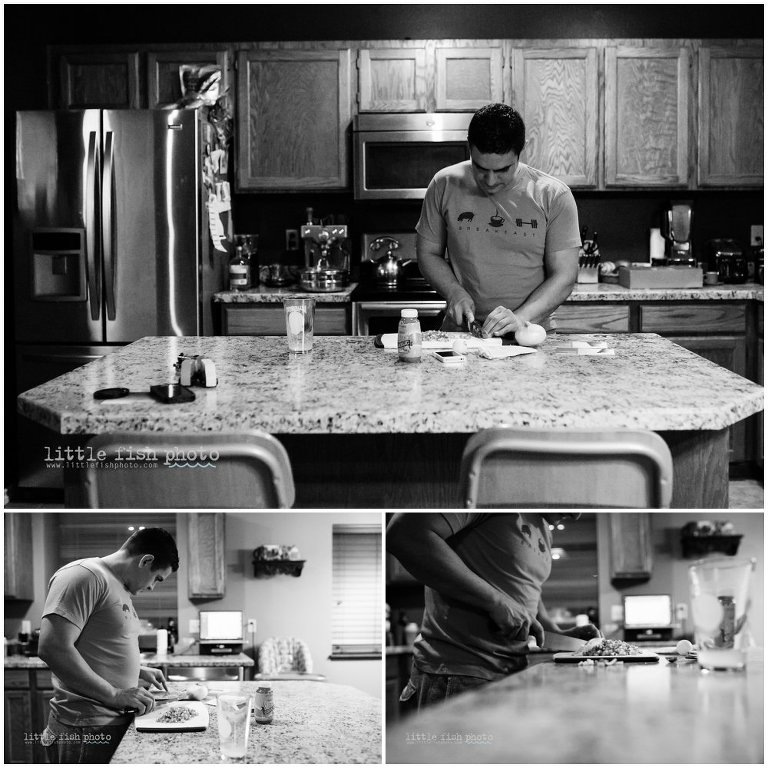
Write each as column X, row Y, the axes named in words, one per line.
column 379, row 297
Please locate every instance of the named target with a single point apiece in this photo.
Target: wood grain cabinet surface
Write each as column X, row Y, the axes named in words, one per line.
column 207, row 578
column 631, row 546
column 18, row 556
column 429, row 75
column 102, row 79
column 646, row 116
column 556, row 91
column 294, row 111
column 730, row 116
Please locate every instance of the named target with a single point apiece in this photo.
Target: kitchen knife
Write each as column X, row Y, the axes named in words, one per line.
column 555, row 642
column 476, row 329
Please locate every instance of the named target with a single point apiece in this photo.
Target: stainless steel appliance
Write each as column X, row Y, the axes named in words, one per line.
column 677, row 230
column 396, row 155
column 111, row 242
column 376, row 304
column 326, row 259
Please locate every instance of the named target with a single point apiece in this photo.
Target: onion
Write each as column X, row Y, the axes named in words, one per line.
column 530, row 336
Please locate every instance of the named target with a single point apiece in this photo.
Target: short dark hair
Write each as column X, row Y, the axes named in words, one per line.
column 156, row 542
column 496, row 129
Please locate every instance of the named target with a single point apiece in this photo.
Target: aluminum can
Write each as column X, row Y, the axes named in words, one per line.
column 263, row 704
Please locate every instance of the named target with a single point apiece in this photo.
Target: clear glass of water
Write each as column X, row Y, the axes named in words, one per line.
column 299, row 324
column 719, row 591
column 233, row 712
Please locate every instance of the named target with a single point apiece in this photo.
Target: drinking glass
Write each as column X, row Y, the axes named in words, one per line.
column 234, row 719
column 299, row 324
column 719, row 589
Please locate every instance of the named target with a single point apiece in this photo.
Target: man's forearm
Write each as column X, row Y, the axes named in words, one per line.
column 439, row 274
column 546, row 298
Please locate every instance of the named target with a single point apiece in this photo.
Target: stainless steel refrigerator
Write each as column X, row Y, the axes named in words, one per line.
column 111, row 241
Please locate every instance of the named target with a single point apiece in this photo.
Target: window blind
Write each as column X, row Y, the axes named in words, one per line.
column 357, row 584
column 95, row 534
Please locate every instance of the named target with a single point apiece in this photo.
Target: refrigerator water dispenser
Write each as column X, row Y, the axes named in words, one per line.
column 58, row 267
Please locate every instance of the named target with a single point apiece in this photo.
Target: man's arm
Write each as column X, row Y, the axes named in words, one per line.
column 418, row 541
column 57, row 649
column 461, row 308
column 561, row 269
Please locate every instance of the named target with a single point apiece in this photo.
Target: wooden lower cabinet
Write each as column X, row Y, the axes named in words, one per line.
column 27, row 697
column 269, row 319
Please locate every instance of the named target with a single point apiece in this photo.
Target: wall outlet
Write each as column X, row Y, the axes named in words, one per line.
column 756, row 234
column 681, row 611
column 291, row 239
column 194, row 626
column 617, row 613
column 251, row 626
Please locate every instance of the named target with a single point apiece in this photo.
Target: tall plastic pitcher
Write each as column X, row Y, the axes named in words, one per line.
column 719, row 590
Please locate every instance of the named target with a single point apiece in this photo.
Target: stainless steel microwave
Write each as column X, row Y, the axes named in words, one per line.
column 396, row 155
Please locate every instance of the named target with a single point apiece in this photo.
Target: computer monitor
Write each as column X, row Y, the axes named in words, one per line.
column 221, row 631
column 647, row 617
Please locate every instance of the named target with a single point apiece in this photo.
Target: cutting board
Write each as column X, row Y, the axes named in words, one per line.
column 149, row 722
column 389, row 341
column 573, row 658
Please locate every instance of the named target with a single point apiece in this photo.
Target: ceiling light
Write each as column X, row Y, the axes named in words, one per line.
column 558, row 553
column 560, row 527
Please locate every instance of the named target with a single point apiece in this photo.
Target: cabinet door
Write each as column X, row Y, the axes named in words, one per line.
column 467, row 78
column 729, row 352
column 730, row 117
column 556, row 92
column 206, row 561
column 646, row 116
column 591, row 317
column 19, row 736
column 269, row 320
column 107, row 80
column 18, row 556
column 293, row 113
column 392, row 80
column 631, row 546
column 41, row 710
column 163, row 81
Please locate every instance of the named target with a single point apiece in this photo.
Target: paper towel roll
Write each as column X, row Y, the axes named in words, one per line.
column 657, row 246
column 162, row 642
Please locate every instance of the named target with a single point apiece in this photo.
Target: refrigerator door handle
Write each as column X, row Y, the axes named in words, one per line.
column 108, row 224
column 91, row 227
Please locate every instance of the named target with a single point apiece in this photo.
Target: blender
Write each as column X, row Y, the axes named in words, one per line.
column 677, row 230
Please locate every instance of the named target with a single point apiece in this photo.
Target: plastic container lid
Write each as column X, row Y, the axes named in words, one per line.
column 265, row 684
column 409, row 313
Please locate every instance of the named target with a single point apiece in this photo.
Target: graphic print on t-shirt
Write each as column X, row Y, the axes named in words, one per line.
column 497, row 223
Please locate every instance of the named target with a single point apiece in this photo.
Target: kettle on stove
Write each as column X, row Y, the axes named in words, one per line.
column 388, row 267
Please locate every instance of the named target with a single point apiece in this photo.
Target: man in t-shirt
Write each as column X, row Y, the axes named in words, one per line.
column 89, row 637
column 483, row 574
column 510, row 232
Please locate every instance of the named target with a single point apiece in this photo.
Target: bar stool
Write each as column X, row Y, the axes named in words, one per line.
column 503, row 467
column 195, row 470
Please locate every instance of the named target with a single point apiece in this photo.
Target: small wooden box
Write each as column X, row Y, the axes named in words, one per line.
column 641, row 276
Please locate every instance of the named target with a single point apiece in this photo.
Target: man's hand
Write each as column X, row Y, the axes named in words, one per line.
column 152, row 676
column 138, row 699
column 501, row 321
column 460, row 308
column 513, row 621
column 585, row 632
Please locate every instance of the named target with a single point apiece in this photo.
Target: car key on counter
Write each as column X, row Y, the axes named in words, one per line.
column 164, row 393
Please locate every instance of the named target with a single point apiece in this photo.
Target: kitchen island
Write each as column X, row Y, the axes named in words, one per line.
column 313, row 723
column 562, row 713
column 364, row 430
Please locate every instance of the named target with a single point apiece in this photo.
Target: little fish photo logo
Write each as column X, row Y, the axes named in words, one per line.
column 129, row 457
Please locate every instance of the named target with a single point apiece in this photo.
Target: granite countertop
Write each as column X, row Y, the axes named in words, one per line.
column 263, row 294
column 613, row 292
column 348, row 386
column 313, row 723
column 562, row 713
column 235, row 660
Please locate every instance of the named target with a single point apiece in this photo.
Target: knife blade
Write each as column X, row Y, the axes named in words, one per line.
column 556, row 642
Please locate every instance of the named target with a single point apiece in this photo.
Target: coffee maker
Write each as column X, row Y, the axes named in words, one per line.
column 677, row 230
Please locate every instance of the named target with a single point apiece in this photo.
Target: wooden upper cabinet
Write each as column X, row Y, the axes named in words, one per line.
column 206, row 572
column 392, row 80
column 430, row 76
column 468, row 78
column 730, row 116
column 631, row 546
column 556, row 92
column 294, row 109
column 98, row 79
column 646, row 116
column 163, row 81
